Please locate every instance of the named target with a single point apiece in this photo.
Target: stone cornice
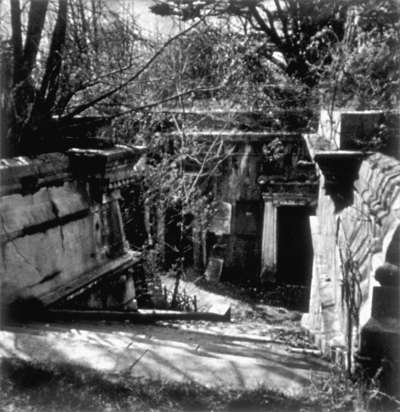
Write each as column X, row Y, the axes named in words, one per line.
column 340, row 169
column 111, row 168
column 26, row 175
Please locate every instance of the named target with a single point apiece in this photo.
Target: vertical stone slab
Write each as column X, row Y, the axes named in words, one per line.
column 269, row 242
column 119, row 244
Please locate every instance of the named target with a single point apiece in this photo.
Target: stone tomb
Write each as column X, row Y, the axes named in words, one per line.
column 61, row 227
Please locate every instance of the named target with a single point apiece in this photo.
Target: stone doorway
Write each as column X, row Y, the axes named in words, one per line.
column 294, row 256
column 294, row 251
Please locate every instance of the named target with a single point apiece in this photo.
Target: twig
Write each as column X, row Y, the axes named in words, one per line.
column 385, row 395
column 129, row 370
column 159, row 102
column 109, row 93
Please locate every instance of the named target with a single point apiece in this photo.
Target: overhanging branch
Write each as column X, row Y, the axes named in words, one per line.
column 161, row 101
column 109, row 93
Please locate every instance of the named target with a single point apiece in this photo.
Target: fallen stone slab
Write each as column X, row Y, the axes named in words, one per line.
column 223, row 309
column 221, row 314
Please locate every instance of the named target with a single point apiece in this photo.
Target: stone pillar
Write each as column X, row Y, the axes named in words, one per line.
column 130, row 301
column 269, row 242
column 113, row 224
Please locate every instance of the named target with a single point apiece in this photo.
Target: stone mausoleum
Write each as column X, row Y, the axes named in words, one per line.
column 319, row 210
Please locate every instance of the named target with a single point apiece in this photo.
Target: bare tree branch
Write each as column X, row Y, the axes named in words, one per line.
column 284, row 20
column 109, row 93
column 158, row 102
column 269, row 30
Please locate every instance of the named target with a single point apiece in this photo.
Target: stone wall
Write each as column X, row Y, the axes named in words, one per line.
column 61, row 226
column 354, row 231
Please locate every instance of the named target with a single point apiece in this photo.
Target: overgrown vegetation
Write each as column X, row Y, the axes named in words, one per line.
column 173, row 191
column 345, row 53
column 30, row 386
column 63, row 59
column 290, row 33
column 351, row 300
column 363, row 72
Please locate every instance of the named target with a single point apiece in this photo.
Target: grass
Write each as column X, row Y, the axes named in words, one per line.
column 34, row 387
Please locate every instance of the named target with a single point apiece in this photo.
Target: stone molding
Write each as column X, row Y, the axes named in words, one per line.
column 109, row 168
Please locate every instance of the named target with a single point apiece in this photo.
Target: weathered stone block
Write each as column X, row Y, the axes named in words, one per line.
column 57, row 237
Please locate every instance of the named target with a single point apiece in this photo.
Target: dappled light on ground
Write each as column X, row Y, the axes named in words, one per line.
column 161, row 352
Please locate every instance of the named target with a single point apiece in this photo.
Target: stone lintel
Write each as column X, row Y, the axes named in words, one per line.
column 288, row 199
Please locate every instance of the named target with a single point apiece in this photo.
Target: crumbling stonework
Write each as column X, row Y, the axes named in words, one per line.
column 253, row 184
column 61, row 225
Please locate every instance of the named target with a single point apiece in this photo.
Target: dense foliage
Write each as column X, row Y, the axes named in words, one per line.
column 72, row 58
column 348, row 50
column 365, row 69
column 287, row 27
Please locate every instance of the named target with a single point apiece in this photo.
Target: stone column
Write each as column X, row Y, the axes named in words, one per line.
column 269, row 242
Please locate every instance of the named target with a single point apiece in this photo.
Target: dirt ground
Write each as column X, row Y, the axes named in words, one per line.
column 262, row 345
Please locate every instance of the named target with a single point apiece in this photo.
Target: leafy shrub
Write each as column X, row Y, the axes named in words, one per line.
column 364, row 72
